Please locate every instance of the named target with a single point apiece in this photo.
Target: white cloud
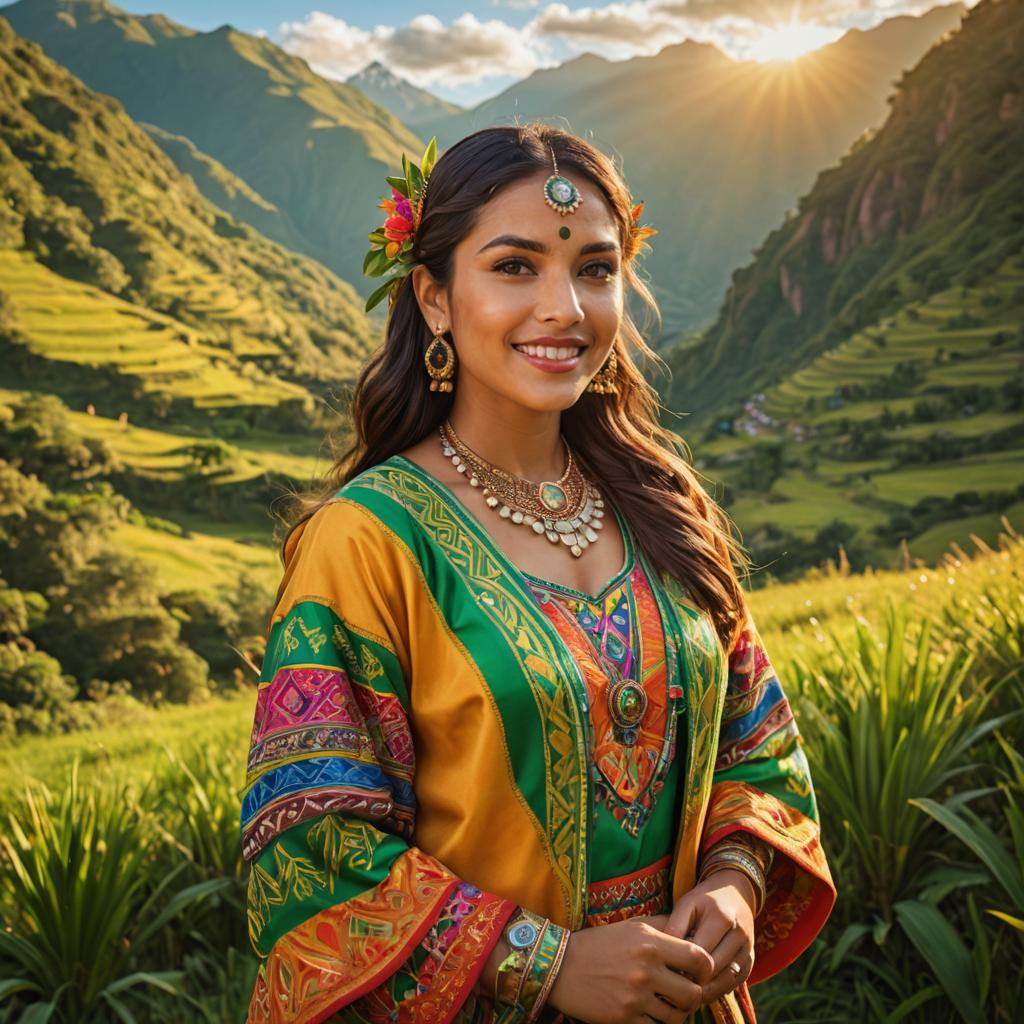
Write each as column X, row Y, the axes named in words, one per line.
column 424, row 51
column 638, row 27
column 634, row 27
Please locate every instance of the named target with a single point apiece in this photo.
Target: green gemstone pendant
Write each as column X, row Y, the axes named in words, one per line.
column 552, row 496
column 561, row 194
column 627, row 702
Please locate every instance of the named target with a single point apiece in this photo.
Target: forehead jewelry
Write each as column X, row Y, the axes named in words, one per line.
column 559, row 192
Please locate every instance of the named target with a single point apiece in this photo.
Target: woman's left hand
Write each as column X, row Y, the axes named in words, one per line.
column 718, row 915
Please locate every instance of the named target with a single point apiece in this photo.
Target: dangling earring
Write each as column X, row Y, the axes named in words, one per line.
column 603, row 382
column 440, row 362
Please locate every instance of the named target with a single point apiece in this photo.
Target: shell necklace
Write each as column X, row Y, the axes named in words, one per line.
column 569, row 510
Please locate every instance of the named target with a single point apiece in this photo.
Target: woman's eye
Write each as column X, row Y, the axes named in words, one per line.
column 504, row 264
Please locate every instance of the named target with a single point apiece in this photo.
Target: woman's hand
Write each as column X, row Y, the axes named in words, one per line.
column 718, row 915
column 631, row 972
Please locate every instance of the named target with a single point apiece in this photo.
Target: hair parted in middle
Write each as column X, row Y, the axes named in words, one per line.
column 643, row 466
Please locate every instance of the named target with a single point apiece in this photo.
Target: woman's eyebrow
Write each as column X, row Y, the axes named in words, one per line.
column 534, row 246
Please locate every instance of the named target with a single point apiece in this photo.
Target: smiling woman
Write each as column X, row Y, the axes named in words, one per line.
column 519, row 753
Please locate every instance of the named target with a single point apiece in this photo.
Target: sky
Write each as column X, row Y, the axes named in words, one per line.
column 468, row 50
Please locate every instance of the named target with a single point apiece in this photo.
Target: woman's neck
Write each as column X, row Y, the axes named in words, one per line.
column 521, row 441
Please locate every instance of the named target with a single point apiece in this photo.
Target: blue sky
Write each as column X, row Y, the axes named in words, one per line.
column 468, row 50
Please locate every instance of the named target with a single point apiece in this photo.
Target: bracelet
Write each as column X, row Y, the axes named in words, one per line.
column 522, row 934
column 739, row 858
column 546, row 965
column 526, row 975
column 763, row 852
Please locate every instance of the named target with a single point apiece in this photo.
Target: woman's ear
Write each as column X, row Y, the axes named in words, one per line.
column 431, row 297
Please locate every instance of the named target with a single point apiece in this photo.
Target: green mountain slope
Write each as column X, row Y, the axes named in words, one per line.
column 88, row 196
column 718, row 149
column 317, row 149
column 910, row 431
column 227, row 190
column 935, row 198
column 406, row 101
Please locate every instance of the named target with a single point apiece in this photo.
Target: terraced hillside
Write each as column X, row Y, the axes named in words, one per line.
column 910, row 430
column 89, row 196
column 933, row 200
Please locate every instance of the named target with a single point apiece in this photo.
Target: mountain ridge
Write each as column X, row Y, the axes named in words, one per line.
column 317, row 149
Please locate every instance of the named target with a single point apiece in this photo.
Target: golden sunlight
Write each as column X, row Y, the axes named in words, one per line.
column 791, row 41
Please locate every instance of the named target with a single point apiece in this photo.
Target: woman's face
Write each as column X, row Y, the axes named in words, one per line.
column 533, row 315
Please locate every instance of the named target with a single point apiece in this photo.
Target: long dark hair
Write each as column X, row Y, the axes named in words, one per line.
column 618, row 437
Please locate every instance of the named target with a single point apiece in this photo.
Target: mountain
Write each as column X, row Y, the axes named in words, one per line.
column 932, row 198
column 719, row 149
column 227, row 190
column 115, row 268
column 406, row 101
column 863, row 384
column 316, row 149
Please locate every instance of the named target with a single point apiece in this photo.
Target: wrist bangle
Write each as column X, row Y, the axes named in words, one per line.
column 546, row 965
column 761, row 851
column 521, row 933
column 741, row 860
column 526, row 975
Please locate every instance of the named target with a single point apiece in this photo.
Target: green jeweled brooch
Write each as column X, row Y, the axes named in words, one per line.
column 627, row 702
column 561, row 194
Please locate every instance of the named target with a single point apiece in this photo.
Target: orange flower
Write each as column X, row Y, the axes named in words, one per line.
column 640, row 233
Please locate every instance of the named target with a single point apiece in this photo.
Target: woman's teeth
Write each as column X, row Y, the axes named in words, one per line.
column 549, row 351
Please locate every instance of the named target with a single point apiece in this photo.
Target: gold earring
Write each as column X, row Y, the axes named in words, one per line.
column 440, row 362
column 603, row 382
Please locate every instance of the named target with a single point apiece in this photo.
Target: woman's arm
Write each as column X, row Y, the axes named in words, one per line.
column 762, row 796
column 351, row 920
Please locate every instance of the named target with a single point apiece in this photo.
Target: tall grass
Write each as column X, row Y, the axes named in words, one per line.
column 82, row 904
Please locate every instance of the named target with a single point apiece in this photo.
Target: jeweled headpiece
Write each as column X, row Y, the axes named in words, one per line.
column 393, row 243
column 560, row 193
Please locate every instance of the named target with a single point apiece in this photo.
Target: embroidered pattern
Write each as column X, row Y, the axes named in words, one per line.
column 637, row 894
column 345, row 950
column 623, row 626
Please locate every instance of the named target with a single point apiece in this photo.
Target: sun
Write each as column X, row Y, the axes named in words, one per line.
column 791, row 41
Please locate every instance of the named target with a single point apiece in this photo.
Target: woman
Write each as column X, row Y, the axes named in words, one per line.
column 518, row 751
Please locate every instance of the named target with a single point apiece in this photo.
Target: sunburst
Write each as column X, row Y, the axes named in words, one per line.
column 788, row 42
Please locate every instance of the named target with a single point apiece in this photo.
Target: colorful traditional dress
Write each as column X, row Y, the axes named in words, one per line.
column 432, row 746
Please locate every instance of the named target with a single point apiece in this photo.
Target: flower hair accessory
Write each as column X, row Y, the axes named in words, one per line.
column 640, row 232
column 392, row 243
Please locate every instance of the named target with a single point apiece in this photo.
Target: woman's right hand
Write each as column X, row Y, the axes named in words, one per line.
column 626, row 973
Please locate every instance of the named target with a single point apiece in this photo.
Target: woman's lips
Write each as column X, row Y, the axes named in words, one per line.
column 551, row 358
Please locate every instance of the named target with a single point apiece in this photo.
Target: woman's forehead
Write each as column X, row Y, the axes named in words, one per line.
column 520, row 209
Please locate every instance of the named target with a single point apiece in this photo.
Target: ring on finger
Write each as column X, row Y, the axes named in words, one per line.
column 735, row 968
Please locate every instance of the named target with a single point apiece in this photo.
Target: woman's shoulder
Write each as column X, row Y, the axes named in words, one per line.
column 365, row 514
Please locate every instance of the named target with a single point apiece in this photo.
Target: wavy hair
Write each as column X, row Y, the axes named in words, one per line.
column 618, row 437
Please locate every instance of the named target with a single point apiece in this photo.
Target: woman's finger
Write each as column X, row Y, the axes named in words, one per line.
column 673, row 996
column 712, row 925
column 686, row 957
column 662, row 1009
column 734, row 944
column 681, row 920
column 734, row 973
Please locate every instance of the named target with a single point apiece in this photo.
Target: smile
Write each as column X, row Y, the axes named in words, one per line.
column 550, row 358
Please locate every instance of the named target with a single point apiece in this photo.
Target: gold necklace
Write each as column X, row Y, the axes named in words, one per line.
column 569, row 510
